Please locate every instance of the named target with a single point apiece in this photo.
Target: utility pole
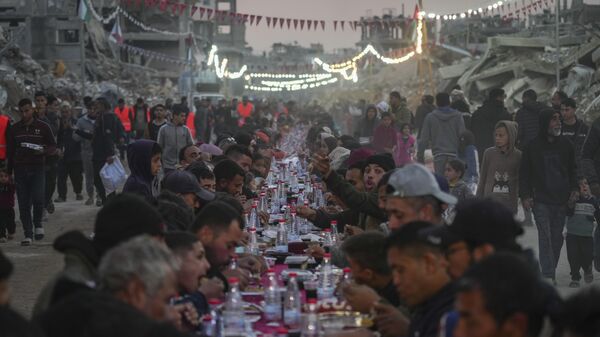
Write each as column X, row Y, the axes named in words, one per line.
column 557, row 45
column 82, row 59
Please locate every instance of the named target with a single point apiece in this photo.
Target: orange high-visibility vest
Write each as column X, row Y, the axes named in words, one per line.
column 4, row 121
column 245, row 110
column 191, row 124
column 124, row 117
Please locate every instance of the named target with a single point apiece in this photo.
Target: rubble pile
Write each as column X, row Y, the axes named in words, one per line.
column 517, row 63
column 21, row 76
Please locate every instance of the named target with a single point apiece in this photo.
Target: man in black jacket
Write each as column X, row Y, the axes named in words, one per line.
column 484, row 120
column 107, row 132
column 574, row 129
column 547, row 180
column 528, row 118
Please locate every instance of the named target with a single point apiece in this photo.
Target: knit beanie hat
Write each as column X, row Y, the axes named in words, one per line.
column 384, row 161
column 123, row 217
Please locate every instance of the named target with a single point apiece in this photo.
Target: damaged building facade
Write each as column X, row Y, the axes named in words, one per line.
column 527, row 60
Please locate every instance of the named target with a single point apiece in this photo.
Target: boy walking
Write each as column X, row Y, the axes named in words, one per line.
column 7, row 207
column 582, row 213
column 172, row 137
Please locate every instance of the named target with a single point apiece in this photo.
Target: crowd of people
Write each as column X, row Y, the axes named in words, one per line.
column 428, row 231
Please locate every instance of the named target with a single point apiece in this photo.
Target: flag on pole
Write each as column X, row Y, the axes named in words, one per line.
column 84, row 12
column 116, row 35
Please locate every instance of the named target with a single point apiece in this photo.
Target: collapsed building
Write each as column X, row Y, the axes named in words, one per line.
column 528, row 60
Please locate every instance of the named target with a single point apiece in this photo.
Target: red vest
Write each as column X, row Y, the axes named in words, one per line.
column 190, row 124
column 124, row 117
column 4, row 122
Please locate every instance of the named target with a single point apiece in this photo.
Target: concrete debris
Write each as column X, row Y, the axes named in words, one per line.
column 21, row 76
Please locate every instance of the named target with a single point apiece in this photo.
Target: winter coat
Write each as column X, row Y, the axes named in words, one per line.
column 590, row 154
column 107, row 131
column 500, row 171
column 422, row 111
column 71, row 148
column 461, row 191
column 404, row 150
column 484, row 121
column 547, row 172
column 21, row 156
column 83, row 133
column 576, row 133
column 528, row 118
column 139, row 158
column 401, row 114
column 441, row 132
column 172, row 139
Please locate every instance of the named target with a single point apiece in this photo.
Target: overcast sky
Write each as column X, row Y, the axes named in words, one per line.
column 261, row 38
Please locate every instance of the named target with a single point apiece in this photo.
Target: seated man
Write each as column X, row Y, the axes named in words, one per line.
column 185, row 185
column 500, row 296
column 230, row 178
column 138, row 279
column 366, row 257
column 241, row 155
column 188, row 155
column 205, row 176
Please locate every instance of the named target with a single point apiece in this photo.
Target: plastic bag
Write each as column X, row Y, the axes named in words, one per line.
column 113, row 175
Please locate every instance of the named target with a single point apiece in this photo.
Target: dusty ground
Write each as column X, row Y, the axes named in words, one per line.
column 36, row 264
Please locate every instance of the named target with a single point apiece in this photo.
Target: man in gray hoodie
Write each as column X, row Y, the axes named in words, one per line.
column 83, row 133
column 441, row 132
column 172, row 137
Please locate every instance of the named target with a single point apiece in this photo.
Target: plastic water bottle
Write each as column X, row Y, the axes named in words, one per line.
column 335, row 235
column 311, row 327
column 234, row 317
column 216, row 323
column 327, row 239
column 253, row 242
column 292, row 304
column 272, row 298
column 254, row 222
column 263, row 205
column 246, row 220
column 326, row 284
column 345, row 281
column 281, row 242
column 275, row 205
column 294, row 182
column 294, row 231
column 281, row 193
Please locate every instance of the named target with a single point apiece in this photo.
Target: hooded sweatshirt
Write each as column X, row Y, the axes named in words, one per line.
column 483, row 122
column 172, row 139
column 441, row 131
column 499, row 175
column 547, row 172
column 139, row 157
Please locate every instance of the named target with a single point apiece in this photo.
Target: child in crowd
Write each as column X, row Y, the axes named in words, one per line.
column 405, row 146
column 467, row 152
column 144, row 159
column 581, row 215
column 454, row 172
column 7, row 207
column 500, row 167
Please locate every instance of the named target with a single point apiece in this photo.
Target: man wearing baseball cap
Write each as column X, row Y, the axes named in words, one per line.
column 185, row 185
column 413, row 194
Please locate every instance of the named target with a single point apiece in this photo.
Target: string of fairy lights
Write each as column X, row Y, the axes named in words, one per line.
column 274, row 82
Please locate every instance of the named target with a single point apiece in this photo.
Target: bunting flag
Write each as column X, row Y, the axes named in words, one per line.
column 308, row 24
column 295, row 23
column 268, row 21
column 301, row 24
column 116, row 35
column 252, row 17
column 288, row 22
column 209, row 13
column 182, row 8
column 194, row 10
column 281, row 22
column 258, row 18
column 335, row 25
column 322, row 25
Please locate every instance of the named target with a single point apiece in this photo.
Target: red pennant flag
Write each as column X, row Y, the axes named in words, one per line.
column 182, row 8
column 163, row 5
column 295, row 23
column 315, row 24
column 268, row 21
column 322, row 25
column 301, row 24
column 202, row 11
column 174, row 7
column 342, row 24
column 335, row 25
column 246, row 18
column 281, row 22
column 239, row 18
column 209, row 13
column 309, row 24
column 252, row 17
column 258, row 18
column 194, row 10
column 288, row 22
